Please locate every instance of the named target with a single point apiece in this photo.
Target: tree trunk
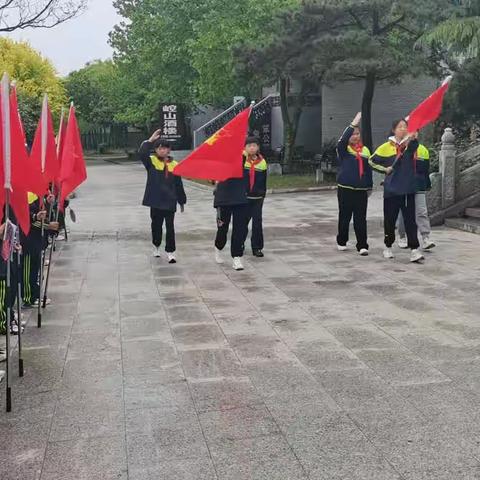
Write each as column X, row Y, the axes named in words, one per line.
column 367, row 100
column 290, row 125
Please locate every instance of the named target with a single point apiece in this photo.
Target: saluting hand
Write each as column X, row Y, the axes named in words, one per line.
column 155, row 136
column 357, row 119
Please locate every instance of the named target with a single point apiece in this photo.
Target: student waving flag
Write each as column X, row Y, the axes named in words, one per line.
column 220, row 156
column 429, row 110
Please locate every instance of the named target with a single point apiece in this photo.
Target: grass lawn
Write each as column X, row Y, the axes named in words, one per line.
column 293, row 181
column 286, row 181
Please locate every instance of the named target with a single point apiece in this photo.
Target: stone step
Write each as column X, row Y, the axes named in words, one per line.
column 472, row 212
column 468, row 224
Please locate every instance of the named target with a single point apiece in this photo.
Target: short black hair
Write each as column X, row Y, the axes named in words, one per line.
column 250, row 140
column 395, row 124
column 161, row 144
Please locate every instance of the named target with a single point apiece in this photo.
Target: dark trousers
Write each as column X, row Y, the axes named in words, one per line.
column 158, row 217
column 30, row 285
column 391, row 209
column 255, row 214
column 239, row 213
column 352, row 202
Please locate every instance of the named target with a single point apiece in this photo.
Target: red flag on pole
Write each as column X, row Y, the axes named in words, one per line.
column 14, row 103
column 429, row 110
column 43, row 165
column 219, row 157
column 62, row 130
column 15, row 158
column 72, row 164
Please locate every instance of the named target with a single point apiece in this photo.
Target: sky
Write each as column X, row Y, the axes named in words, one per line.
column 72, row 44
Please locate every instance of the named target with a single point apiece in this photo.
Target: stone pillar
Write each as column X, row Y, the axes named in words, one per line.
column 448, row 168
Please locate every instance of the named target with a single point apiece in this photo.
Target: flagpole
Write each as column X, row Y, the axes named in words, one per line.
column 7, row 156
column 44, row 132
column 19, row 312
column 59, row 196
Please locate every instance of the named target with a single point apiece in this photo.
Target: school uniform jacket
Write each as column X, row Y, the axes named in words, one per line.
column 164, row 189
column 423, row 169
column 230, row 193
column 348, row 166
column 259, row 188
column 403, row 179
column 33, row 243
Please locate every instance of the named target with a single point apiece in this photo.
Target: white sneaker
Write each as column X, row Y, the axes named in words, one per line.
column 237, row 263
column 363, row 252
column 47, row 302
column 427, row 243
column 402, row 242
column 342, row 248
column 172, row 258
column 156, row 252
column 218, row 256
column 387, row 253
column 416, row 256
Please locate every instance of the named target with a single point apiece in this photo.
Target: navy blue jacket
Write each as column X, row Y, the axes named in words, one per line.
column 348, row 172
column 403, row 180
column 164, row 189
column 259, row 189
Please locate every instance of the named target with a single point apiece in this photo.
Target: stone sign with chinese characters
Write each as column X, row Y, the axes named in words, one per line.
column 261, row 126
column 173, row 126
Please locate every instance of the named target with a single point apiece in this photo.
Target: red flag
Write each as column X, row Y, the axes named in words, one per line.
column 219, row 157
column 14, row 103
column 72, row 164
column 62, row 131
column 43, row 165
column 14, row 158
column 429, row 110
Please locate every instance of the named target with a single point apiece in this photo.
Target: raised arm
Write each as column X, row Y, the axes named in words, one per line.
column 146, row 148
column 346, row 135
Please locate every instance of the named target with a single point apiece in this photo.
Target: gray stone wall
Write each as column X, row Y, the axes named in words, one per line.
column 341, row 102
column 309, row 133
column 468, row 182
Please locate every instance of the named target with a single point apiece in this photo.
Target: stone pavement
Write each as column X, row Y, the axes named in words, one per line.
column 310, row 364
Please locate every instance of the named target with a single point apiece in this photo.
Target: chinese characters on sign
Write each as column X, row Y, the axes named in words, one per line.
column 173, row 125
column 261, row 126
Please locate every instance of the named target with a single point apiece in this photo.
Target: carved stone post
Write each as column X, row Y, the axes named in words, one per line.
column 448, row 168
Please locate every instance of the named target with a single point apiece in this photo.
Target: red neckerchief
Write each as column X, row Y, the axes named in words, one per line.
column 358, row 153
column 401, row 150
column 252, row 164
column 166, row 162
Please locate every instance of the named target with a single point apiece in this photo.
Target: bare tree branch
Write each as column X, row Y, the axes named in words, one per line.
column 22, row 14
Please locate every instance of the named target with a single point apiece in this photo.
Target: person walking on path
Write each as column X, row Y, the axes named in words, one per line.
column 421, row 210
column 163, row 191
column 231, row 203
column 397, row 160
column 354, row 186
column 255, row 171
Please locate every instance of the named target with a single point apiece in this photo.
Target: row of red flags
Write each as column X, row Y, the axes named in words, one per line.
column 219, row 157
column 52, row 161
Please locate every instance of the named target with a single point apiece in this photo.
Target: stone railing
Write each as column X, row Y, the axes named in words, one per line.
column 453, row 190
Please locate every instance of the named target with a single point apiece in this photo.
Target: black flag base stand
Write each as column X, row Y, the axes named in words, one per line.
column 9, row 399
column 39, row 319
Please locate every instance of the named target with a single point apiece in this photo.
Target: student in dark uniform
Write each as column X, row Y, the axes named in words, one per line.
column 231, row 203
column 164, row 190
column 255, row 174
column 32, row 246
column 397, row 160
column 354, row 184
